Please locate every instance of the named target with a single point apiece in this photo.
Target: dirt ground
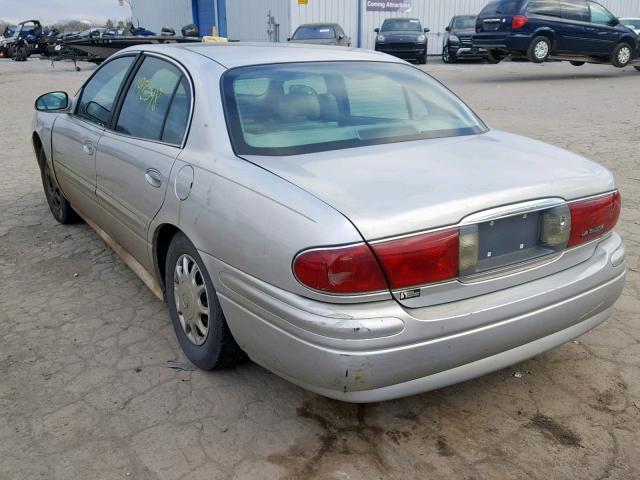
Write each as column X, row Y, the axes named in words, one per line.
column 86, row 391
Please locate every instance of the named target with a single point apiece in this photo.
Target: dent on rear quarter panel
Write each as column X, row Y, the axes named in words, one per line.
column 253, row 220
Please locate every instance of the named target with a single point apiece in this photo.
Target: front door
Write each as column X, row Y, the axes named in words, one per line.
column 135, row 158
column 75, row 136
column 602, row 32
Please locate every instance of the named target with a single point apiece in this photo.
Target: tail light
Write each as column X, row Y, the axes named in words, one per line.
column 442, row 255
column 591, row 219
column 344, row 270
column 518, row 21
column 419, row 259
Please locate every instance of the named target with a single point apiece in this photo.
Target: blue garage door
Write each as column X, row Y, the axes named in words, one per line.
column 204, row 15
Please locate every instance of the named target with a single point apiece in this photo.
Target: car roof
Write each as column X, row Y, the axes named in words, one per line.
column 239, row 54
column 401, row 18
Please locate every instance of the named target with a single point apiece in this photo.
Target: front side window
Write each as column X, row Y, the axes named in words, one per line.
column 148, row 99
column 548, row 8
column 600, row 15
column 401, row 25
column 99, row 94
column 321, row 106
column 577, row 10
column 315, row 33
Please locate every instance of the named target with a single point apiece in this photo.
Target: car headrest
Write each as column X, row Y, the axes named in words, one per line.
column 298, row 106
column 328, row 107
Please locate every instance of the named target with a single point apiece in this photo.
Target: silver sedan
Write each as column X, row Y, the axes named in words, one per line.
column 336, row 215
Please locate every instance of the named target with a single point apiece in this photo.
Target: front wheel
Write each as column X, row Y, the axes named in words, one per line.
column 447, row 56
column 621, row 55
column 576, row 63
column 494, row 57
column 422, row 59
column 195, row 310
column 539, row 50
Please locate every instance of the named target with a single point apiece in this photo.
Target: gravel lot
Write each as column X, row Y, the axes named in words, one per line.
column 86, row 392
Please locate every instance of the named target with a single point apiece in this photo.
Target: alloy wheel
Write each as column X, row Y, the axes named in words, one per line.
column 624, row 55
column 542, row 50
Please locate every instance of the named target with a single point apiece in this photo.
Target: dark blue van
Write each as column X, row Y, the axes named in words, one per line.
column 579, row 31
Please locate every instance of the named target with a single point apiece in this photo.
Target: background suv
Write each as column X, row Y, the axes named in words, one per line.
column 576, row 30
column 457, row 40
column 404, row 38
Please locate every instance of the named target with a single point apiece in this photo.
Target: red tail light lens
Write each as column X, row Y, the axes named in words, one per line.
column 518, row 21
column 591, row 219
column 420, row 259
column 345, row 270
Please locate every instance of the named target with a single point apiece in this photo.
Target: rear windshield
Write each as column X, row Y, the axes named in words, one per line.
column 296, row 108
column 401, row 25
column 314, row 33
column 502, row 7
column 464, row 22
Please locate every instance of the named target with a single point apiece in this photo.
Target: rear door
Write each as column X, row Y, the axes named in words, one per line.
column 75, row 136
column 577, row 19
column 135, row 157
column 546, row 15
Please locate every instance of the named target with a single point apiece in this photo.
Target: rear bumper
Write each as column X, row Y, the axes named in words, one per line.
column 497, row 41
column 379, row 351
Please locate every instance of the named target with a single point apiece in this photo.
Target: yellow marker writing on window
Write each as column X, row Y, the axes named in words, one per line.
column 149, row 94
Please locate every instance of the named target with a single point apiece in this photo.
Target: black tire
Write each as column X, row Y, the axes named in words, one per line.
column 637, row 68
column 422, row 59
column 621, row 55
column 539, row 49
column 494, row 57
column 447, row 56
column 219, row 349
column 577, row 63
column 59, row 206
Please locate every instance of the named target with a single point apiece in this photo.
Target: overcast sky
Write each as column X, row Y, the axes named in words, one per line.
column 49, row 11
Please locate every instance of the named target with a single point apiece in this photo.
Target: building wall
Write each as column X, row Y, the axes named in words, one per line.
column 155, row 14
column 247, row 19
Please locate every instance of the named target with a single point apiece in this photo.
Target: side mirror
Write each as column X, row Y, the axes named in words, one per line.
column 340, row 37
column 615, row 22
column 377, row 30
column 448, row 29
column 288, row 39
column 52, row 102
column 427, row 30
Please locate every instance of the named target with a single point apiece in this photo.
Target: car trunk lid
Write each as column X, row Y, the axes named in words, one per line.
column 392, row 190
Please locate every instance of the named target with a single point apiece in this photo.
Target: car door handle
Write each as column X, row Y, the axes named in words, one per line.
column 153, row 178
column 88, row 148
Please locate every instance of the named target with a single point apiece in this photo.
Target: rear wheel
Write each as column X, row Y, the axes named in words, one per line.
column 447, row 56
column 494, row 56
column 576, row 63
column 539, row 50
column 59, row 206
column 621, row 55
column 195, row 310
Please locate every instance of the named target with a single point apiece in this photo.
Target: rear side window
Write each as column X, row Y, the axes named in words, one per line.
column 178, row 116
column 577, row 10
column 99, row 94
column 502, row 7
column 548, row 8
column 148, row 99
